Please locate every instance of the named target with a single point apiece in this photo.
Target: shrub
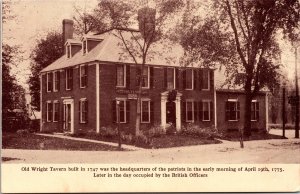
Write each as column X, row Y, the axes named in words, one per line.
column 170, row 129
column 194, row 130
column 155, row 131
column 142, row 141
column 108, row 132
column 22, row 131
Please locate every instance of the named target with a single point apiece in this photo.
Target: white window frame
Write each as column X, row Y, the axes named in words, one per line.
column 80, row 80
column 124, row 73
column 67, row 88
column 69, row 50
column 81, row 112
column 236, row 112
column 255, row 110
column 53, row 110
column 54, row 85
column 186, row 111
column 174, row 79
column 48, row 104
column 209, row 109
column 86, row 50
column 48, row 74
column 208, row 79
column 125, row 109
column 148, row 78
column 149, row 110
column 192, row 80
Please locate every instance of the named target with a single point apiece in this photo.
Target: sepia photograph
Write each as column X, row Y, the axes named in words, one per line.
column 127, row 86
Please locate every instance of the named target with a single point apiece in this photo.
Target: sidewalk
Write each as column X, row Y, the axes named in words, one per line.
column 129, row 147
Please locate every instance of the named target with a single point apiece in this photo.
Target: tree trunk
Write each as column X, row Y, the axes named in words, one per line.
column 247, row 115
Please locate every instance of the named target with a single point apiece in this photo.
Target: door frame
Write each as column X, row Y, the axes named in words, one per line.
column 71, row 103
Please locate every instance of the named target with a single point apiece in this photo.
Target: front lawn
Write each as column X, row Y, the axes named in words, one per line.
column 255, row 135
column 36, row 142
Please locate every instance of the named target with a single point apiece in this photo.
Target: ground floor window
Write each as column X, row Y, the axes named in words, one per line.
column 145, row 111
column 124, row 108
column 189, row 111
column 206, row 110
column 55, row 111
column 83, row 110
column 232, row 110
column 254, row 110
column 49, row 110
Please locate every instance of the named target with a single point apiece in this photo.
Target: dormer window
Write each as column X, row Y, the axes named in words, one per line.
column 84, row 46
column 68, row 51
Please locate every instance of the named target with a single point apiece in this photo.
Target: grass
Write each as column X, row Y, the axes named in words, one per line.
column 288, row 126
column 255, row 135
column 36, row 142
column 5, row 159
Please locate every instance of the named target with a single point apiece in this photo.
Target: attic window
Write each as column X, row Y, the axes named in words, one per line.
column 84, row 46
column 68, row 48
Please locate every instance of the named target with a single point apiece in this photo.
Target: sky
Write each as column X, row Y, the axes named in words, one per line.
column 34, row 18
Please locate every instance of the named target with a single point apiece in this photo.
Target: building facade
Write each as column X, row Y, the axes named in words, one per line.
column 80, row 90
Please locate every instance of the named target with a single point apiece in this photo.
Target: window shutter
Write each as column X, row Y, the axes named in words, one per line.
column 86, row 75
column 200, row 111
column 227, row 111
column 58, row 108
column 116, row 75
column 114, row 112
column 127, row 111
column 151, row 112
column 138, row 76
column 195, row 110
column 51, row 82
column 87, row 111
column 195, row 73
column 257, row 109
column 200, row 78
column 211, row 80
column 151, row 76
column 79, row 76
column 238, row 110
column 211, row 110
column 165, row 78
column 128, row 76
column 176, row 79
column 79, row 110
column 183, row 110
column 183, row 79
column 71, row 78
column 58, row 80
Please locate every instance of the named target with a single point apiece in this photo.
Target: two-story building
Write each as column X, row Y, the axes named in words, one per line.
column 80, row 90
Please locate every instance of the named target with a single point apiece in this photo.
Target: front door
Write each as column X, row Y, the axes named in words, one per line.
column 171, row 113
column 68, row 118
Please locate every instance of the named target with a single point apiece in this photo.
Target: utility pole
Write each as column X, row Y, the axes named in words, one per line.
column 283, row 110
column 297, row 95
column 118, row 120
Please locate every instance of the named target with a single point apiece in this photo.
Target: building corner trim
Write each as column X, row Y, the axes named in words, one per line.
column 97, row 98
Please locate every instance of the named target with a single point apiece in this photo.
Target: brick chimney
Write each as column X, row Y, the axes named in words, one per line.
column 146, row 19
column 68, row 30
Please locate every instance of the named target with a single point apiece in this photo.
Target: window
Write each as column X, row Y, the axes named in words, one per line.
column 55, row 111
column 205, row 80
column 124, row 106
column 189, row 77
column 56, row 81
column 206, row 110
column 83, row 76
column 49, row 82
column 84, row 47
column 121, row 69
column 232, row 110
column 145, row 77
column 254, row 110
column 170, row 78
column 69, row 79
column 68, row 48
column 190, row 111
column 83, row 110
column 145, row 111
column 49, row 111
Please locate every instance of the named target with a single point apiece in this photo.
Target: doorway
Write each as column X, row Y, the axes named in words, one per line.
column 68, row 116
column 171, row 113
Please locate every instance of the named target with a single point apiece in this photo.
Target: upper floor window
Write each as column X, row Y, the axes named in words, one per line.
column 49, row 82
column 170, row 78
column 121, row 75
column 83, row 110
column 189, row 111
column 83, row 76
column 205, row 79
column 49, row 111
column 56, row 79
column 189, row 79
column 68, row 51
column 84, row 46
column 145, row 111
column 55, row 111
column 145, row 77
column 232, row 110
column 254, row 110
column 69, row 79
